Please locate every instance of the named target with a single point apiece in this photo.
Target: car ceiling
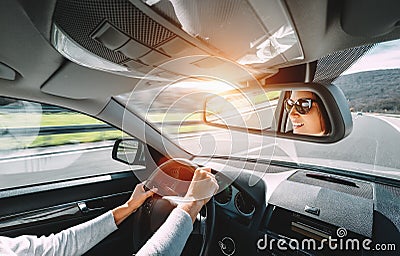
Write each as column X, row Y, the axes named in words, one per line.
column 44, row 75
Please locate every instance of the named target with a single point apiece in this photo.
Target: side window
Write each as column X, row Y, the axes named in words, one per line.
column 41, row 143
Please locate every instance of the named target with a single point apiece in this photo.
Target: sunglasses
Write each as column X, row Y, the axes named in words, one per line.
column 303, row 105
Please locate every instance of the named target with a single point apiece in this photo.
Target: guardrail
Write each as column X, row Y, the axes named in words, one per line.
column 68, row 129
column 53, row 130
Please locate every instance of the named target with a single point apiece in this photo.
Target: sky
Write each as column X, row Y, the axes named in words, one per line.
column 383, row 56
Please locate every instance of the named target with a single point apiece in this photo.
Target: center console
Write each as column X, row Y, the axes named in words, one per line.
column 317, row 214
column 285, row 232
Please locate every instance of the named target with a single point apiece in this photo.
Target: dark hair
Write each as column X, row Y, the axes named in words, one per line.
column 324, row 114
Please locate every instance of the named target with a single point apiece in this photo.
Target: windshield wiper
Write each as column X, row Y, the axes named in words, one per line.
column 330, row 178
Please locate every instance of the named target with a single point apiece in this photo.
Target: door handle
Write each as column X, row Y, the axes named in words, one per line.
column 85, row 209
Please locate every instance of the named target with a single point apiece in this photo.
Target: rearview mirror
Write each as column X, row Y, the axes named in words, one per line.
column 252, row 109
column 302, row 111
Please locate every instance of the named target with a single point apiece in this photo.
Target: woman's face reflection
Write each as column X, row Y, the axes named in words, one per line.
column 311, row 123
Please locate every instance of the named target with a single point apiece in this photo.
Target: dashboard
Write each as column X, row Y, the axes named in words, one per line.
column 236, row 201
column 274, row 213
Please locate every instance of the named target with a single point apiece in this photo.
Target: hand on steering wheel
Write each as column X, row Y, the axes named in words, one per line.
column 201, row 189
column 203, row 185
column 182, row 183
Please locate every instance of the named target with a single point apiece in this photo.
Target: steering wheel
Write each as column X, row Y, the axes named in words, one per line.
column 172, row 178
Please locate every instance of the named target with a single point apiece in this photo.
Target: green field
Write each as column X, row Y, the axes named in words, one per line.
column 22, row 120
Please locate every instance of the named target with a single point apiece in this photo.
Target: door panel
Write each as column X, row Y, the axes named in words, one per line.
column 49, row 208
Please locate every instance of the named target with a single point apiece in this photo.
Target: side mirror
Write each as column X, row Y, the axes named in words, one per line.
column 300, row 111
column 128, row 151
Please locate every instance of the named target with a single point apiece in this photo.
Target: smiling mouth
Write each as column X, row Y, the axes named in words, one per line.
column 297, row 125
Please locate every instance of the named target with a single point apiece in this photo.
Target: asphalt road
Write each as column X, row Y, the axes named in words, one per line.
column 60, row 166
column 374, row 141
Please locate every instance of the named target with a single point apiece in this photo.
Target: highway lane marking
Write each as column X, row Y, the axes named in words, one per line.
column 54, row 154
column 385, row 119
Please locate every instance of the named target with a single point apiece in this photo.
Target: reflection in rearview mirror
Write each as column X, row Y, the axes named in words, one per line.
column 306, row 113
column 299, row 112
column 249, row 109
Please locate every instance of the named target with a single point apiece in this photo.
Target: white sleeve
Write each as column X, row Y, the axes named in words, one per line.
column 170, row 238
column 73, row 241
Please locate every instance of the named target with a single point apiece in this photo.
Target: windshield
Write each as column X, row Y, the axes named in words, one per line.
column 371, row 85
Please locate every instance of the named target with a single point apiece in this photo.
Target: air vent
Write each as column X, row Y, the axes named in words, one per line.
column 334, row 182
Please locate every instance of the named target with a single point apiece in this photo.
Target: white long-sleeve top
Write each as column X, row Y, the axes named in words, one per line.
column 169, row 239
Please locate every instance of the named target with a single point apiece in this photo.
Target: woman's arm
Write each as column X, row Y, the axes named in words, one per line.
column 72, row 241
column 170, row 238
column 78, row 239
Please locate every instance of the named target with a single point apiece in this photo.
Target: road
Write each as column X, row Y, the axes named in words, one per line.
column 374, row 141
column 59, row 166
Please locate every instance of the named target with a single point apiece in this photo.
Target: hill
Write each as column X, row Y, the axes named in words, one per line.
column 372, row 91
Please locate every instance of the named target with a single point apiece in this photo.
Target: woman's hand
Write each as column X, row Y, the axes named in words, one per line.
column 137, row 198
column 201, row 189
column 203, row 186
